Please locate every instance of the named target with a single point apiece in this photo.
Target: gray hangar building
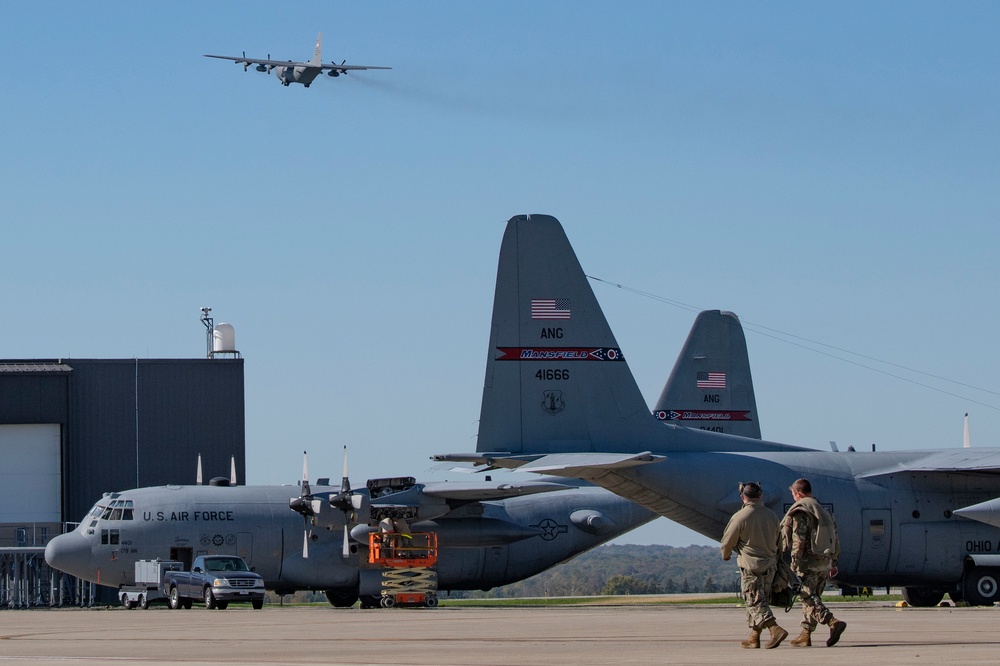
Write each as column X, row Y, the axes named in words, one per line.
column 74, row 429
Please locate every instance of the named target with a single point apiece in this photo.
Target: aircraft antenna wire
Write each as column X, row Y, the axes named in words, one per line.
column 782, row 336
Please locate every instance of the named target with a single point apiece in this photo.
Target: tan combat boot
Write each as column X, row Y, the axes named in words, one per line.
column 804, row 639
column 777, row 634
column 753, row 641
column 836, row 629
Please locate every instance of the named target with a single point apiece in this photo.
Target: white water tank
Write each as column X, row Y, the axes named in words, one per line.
column 224, row 338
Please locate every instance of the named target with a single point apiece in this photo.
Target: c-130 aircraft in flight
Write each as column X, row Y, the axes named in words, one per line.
column 289, row 72
column 921, row 519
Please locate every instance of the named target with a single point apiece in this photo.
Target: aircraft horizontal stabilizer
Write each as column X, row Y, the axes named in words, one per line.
column 957, row 461
column 480, row 492
column 586, row 465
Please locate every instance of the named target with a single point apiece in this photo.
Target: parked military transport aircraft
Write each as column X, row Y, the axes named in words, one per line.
column 559, row 399
column 289, row 72
column 489, row 533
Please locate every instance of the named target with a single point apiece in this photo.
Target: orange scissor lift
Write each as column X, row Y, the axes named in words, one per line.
column 406, row 562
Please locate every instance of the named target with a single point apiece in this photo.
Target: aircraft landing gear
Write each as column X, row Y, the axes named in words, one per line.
column 980, row 586
column 341, row 598
column 922, row 597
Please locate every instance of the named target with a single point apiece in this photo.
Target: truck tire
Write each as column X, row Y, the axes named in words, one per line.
column 126, row 603
column 209, row 598
column 143, row 602
column 257, row 604
column 173, row 599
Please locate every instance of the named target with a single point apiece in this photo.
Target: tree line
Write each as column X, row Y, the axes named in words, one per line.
column 628, row 569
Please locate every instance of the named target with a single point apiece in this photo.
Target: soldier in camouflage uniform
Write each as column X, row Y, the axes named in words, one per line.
column 753, row 533
column 809, row 531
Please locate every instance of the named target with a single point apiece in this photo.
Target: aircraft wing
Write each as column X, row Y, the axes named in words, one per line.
column 980, row 461
column 344, row 68
column 574, row 465
column 259, row 61
column 478, row 492
column 240, row 60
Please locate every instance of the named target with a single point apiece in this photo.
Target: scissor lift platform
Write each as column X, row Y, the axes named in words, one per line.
column 406, row 562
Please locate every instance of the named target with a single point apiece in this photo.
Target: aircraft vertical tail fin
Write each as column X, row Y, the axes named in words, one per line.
column 710, row 387
column 317, row 58
column 556, row 380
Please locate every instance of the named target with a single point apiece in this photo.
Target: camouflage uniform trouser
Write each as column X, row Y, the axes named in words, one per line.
column 813, row 610
column 755, row 588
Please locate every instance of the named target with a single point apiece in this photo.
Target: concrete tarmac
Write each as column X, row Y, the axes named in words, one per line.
column 634, row 634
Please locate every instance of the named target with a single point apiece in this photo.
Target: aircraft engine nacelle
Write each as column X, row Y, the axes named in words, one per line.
column 261, row 68
column 333, row 72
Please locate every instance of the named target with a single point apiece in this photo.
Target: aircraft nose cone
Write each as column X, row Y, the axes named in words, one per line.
column 69, row 553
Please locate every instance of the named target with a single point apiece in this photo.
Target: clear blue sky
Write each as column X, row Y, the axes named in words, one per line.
column 828, row 170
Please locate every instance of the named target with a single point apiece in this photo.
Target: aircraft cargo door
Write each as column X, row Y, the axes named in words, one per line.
column 876, row 539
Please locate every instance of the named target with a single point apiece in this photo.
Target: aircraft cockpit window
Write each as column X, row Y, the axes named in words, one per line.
column 97, row 511
column 116, row 514
column 106, row 514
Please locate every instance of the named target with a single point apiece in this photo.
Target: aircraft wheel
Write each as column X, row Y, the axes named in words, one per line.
column 143, row 602
column 340, row 598
column 370, row 601
column 980, row 587
column 922, row 597
column 174, row 599
column 209, row 599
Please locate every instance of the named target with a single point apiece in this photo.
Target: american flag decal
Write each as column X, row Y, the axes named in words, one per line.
column 711, row 380
column 550, row 308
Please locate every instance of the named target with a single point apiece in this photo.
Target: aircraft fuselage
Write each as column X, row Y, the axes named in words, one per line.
column 895, row 529
column 304, row 75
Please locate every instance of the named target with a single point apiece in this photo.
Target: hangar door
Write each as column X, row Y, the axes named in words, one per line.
column 30, row 474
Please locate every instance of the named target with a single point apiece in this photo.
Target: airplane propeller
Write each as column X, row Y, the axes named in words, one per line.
column 337, row 72
column 347, row 502
column 246, row 63
column 265, row 68
column 305, row 505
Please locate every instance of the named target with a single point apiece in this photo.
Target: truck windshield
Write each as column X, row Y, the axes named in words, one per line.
column 226, row 564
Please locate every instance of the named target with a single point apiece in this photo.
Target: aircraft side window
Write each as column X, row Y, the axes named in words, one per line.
column 115, row 537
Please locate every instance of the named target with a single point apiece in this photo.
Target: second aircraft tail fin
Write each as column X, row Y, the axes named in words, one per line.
column 710, row 387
